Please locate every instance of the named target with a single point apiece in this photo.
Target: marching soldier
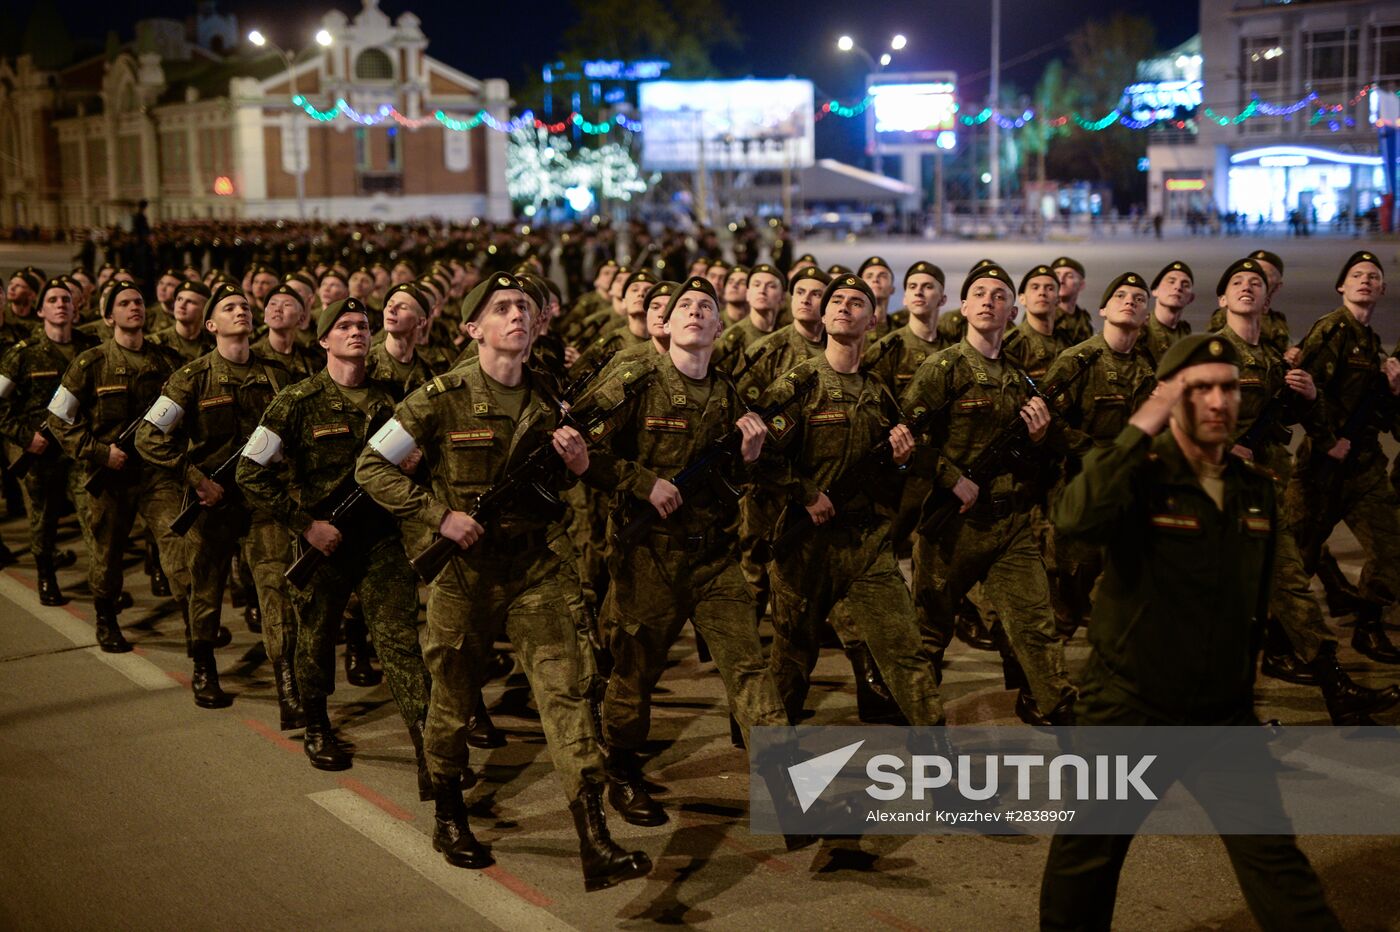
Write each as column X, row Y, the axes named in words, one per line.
column 877, row 274
column 785, row 347
column 765, row 288
column 1034, row 344
column 187, row 335
column 1274, row 325
column 162, row 315
column 94, row 413
column 296, row 468
column 464, row 429
column 605, row 347
column 21, row 297
column 1172, row 294
column 394, row 361
column 282, row 313
column 735, row 294
column 1073, row 322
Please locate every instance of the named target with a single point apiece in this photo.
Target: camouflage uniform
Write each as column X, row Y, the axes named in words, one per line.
column 729, row 349
column 992, row 542
column 1156, row 337
column 848, row 561
column 318, row 433
column 187, row 350
column 302, row 362
column 399, row 379
column 767, row 358
column 1074, row 326
column 518, row 578
column 687, row 569
column 1273, row 329
column 114, row 386
column 219, row 409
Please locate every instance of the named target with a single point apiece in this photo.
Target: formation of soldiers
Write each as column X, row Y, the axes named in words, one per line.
column 686, row 440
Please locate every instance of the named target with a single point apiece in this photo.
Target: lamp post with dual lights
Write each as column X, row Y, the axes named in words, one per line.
column 323, row 39
column 847, row 44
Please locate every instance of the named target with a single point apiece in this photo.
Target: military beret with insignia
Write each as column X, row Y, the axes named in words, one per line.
column 413, row 291
column 1065, row 262
column 844, row 282
column 641, row 275
column 810, row 272
column 535, row 289
column 224, row 291
column 1356, row 259
column 204, row 291
column 50, row 285
column 283, row 288
column 303, row 277
column 176, row 273
column 805, row 257
column 1263, row 255
column 1127, row 279
column 693, row 283
column 334, row 311
column 336, row 273
column 1175, row 265
column 476, row 299
column 874, row 262
column 1039, row 271
column 31, row 277
column 837, row 269
column 109, row 297
column 766, row 269
column 1248, row 264
column 659, row 290
column 925, row 268
column 992, row 271
column 735, row 269
column 983, row 263
column 1194, row 350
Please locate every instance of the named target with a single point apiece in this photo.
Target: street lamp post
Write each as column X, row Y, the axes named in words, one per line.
column 323, row 39
column 847, row 44
column 994, row 128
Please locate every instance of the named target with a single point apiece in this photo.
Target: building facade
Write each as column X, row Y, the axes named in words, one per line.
column 1286, row 123
column 339, row 132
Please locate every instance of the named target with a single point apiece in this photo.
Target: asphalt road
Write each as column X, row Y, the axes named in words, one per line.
column 126, row 807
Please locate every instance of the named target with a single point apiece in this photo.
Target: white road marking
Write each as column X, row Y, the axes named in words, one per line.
column 137, row 669
column 473, row 889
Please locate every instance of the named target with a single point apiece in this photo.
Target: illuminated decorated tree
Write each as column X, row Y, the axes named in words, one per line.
column 543, row 169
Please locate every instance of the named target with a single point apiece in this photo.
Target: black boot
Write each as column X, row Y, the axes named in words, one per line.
column 1369, row 637
column 288, row 700
column 205, row 682
column 874, row 704
column 1343, row 598
column 49, row 593
column 1280, row 662
column 451, row 834
column 223, row 637
column 252, row 614
column 1028, row 710
column 425, row 782
column 1347, row 702
column 482, row 733
column 969, row 628
column 627, row 791
column 124, row 601
column 324, row 752
column 65, row 558
column 109, row 633
column 605, row 863
column 160, row 585
column 359, row 669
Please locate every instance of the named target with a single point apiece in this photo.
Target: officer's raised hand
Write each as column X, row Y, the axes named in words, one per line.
column 1152, row 415
column 572, row 449
column 460, row 527
column 323, row 536
column 753, row 429
column 901, row 444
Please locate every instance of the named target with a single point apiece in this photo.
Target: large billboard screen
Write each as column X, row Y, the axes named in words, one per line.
column 920, row 111
column 726, row 124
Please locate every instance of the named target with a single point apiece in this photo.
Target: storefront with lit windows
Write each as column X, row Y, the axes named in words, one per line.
column 1270, row 182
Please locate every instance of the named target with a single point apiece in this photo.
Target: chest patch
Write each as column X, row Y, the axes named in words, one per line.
column 215, row 401
column 321, row 431
column 1256, row 523
column 109, row 389
column 1177, row 522
column 476, row 437
column 45, row 375
column 971, row 404
column 828, row 417
column 673, row 424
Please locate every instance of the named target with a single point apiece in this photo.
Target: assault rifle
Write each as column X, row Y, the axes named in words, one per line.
column 97, row 483
column 223, row 474
column 26, row 460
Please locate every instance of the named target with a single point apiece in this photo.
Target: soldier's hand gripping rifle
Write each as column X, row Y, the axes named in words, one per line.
column 530, row 473
column 941, row 505
column 1266, row 421
column 223, row 475
column 97, row 483
column 26, row 460
column 703, row 470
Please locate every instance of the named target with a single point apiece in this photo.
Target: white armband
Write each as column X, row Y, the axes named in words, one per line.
column 165, row 414
column 7, row 385
column 393, row 442
column 263, row 447
column 64, row 405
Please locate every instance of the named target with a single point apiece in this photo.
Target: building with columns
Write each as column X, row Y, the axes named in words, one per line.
column 195, row 120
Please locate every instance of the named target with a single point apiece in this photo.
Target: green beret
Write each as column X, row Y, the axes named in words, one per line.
column 1039, row 271
column 1064, row 262
column 735, row 269
column 336, row 273
column 535, row 289
column 925, row 268
column 767, row 269
column 1356, row 259
column 1130, row 279
column 114, row 288
column 1272, row 258
column 173, row 273
column 225, row 290
column 1194, row 350
column 283, row 288
column 984, row 271
column 847, row 282
column 805, row 257
column 694, row 283
column 641, row 275
column 333, row 312
column 53, row 283
column 874, row 262
column 1249, row 264
column 476, row 299
column 204, row 291
column 810, row 272
column 414, row 292
column 31, row 277
column 837, row 269
column 1174, row 266
column 659, row 290
column 303, row 277
column 983, row 263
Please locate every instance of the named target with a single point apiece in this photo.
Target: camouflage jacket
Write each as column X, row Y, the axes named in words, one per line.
column 205, row 414
column 29, row 373
column 1261, row 377
column 382, row 368
column 896, row 367
column 304, row 450
column 1344, row 357
column 1032, row 350
column 1156, row 337
column 603, row 348
column 1074, row 326
column 776, row 353
column 1273, row 329
column 1099, row 403
column 302, row 362
column 729, row 349
column 950, row 328
column 14, row 330
column 187, row 350
column 103, row 391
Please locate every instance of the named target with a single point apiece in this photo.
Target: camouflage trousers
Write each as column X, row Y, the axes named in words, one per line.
column 1359, row 494
column 1292, row 603
column 588, row 520
column 853, row 568
column 1003, row 554
column 656, row 587
column 532, row 596
column 378, row 572
column 155, row 497
column 265, row 548
column 46, row 488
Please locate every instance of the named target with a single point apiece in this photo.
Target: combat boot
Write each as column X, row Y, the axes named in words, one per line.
column 319, row 743
column 49, row 593
column 605, row 863
column 970, row 629
column 1280, row 662
column 874, row 703
column 425, row 782
column 160, row 585
column 1369, row 637
column 1343, row 598
column 252, row 615
column 62, row 559
column 627, row 791
column 205, row 681
column 109, row 633
column 482, row 733
column 293, row 716
column 1349, row 703
column 1028, row 710
column 359, row 669
column 451, row 834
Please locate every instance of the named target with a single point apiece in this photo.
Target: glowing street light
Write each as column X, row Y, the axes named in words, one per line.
column 845, row 43
column 323, row 38
column 885, row 59
column 898, row 42
column 257, row 38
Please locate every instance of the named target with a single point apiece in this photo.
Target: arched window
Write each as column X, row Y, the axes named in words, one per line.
column 374, row 65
